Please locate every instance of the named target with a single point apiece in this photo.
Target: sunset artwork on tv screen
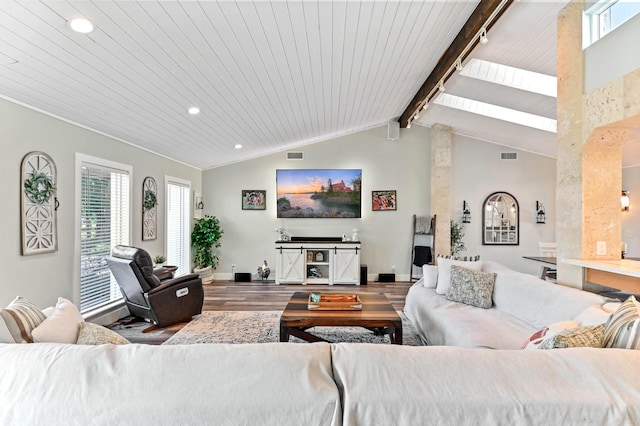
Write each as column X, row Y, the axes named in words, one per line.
column 329, row 193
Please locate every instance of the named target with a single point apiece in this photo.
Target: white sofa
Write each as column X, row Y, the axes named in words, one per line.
column 522, row 305
column 315, row 384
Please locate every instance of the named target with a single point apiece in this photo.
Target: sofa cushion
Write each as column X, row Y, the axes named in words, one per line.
column 265, row 383
column 444, row 272
column 439, row 321
column 546, row 333
column 461, row 386
column 593, row 315
column 587, row 336
column 538, row 302
column 623, row 329
column 61, row 325
column 95, row 334
column 18, row 320
column 429, row 276
column 473, row 288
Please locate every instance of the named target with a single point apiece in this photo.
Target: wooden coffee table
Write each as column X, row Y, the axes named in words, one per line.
column 377, row 314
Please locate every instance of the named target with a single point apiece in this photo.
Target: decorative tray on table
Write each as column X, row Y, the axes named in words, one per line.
column 334, row 302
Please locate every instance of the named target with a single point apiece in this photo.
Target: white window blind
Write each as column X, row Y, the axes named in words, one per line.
column 178, row 224
column 104, row 212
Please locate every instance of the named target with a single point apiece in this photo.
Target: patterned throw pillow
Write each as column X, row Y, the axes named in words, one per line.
column 588, row 336
column 547, row 333
column 95, row 334
column 623, row 328
column 18, row 320
column 444, row 272
column 473, row 288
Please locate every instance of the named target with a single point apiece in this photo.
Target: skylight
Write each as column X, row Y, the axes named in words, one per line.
column 512, row 77
column 498, row 112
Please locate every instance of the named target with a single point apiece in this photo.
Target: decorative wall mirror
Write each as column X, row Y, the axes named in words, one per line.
column 500, row 220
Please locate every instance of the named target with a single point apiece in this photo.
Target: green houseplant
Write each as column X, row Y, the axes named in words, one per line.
column 457, row 234
column 205, row 236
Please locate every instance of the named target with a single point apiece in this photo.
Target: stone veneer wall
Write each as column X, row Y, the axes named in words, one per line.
column 591, row 131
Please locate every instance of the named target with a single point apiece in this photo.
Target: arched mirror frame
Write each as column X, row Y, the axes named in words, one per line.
column 500, row 219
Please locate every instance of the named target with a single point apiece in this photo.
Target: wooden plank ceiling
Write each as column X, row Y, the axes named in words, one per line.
column 271, row 76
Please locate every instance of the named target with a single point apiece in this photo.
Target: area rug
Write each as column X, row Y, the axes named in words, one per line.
column 264, row 327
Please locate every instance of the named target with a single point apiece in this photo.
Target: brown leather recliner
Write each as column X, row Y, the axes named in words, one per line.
column 162, row 303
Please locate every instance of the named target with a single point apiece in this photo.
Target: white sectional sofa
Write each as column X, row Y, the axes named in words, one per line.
column 522, row 305
column 315, row 384
column 338, row 384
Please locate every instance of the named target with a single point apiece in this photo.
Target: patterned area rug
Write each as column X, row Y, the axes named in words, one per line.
column 264, row 326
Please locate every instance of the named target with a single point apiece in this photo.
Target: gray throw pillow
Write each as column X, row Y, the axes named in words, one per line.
column 471, row 287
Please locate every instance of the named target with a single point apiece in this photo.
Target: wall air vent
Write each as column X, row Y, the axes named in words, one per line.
column 295, row 156
column 508, row 155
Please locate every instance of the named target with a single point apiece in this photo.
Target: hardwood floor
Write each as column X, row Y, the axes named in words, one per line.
column 254, row 296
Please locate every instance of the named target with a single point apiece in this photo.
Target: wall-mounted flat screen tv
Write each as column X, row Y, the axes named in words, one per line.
column 315, row 193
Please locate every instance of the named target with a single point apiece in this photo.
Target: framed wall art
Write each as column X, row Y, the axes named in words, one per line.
column 254, row 199
column 319, row 193
column 383, row 200
column 149, row 209
column 39, row 204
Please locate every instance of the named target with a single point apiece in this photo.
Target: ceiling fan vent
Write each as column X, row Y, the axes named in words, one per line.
column 295, row 156
column 508, row 155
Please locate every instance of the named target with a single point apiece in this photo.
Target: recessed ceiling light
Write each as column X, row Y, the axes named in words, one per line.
column 194, row 110
column 81, row 25
column 238, row 146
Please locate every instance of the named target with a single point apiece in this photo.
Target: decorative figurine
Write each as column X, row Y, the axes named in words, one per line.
column 264, row 271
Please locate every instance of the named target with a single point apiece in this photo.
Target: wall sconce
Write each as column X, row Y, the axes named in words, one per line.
column 624, row 200
column 540, row 213
column 466, row 213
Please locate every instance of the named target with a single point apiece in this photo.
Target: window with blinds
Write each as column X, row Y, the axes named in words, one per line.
column 104, row 214
column 178, row 224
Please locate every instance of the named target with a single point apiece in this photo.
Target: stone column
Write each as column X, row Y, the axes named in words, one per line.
column 570, row 140
column 592, row 128
column 441, row 137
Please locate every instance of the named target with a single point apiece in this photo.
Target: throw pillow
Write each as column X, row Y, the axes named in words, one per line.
column 541, row 335
column 18, row 320
column 444, row 272
column 95, row 334
column 473, row 288
column 61, row 326
column 430, row 276
column 588, row 336
column 623, row 329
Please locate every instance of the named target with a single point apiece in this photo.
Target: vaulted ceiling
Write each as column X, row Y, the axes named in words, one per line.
column 273, row 76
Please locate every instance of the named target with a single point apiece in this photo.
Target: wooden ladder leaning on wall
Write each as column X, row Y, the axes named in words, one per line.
column 422, row 226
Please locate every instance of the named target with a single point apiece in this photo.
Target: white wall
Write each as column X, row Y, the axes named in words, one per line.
column 631, row 219
column 612, row 56
column 478, row 171
column 42, row 278
column 402, row 165
column 386, row 236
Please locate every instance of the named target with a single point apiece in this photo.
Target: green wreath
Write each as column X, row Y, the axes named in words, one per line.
column 150, row 199
column 39, row 188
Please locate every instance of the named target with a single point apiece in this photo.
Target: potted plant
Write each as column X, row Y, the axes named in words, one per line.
column 205, row 236
column 457, row 233
column 159, row 260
